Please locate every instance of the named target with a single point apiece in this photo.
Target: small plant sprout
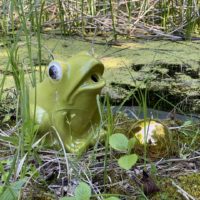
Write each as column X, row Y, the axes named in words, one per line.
column 120, row 142
column 83, row 191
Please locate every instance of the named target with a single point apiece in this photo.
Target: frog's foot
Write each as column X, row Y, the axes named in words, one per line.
column 77, row 146
column 80, row 145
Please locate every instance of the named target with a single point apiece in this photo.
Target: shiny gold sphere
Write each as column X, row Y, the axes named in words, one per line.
column 150, row 131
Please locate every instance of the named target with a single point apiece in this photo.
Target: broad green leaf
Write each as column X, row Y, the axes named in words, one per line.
column 83, row 191
column 127, row 161
column 118, row 141
column 112, row 198
column 12, row 191
column 9, row 194
column 131, row 144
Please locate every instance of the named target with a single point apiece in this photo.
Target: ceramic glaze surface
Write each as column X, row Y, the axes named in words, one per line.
column 66, row 100
column 150, row 131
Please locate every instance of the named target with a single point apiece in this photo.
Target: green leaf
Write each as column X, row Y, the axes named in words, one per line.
column 6, row 118
column 13, row 140
column 4, row 176
column 131, row 144
column 12, row 191
column 187, row 123
column 83, row 191
column 1, row 190
column 9, row 194
column 112, row 198
column 1, row 168
column 127, row 161
column 153, row 169
column 118, row 141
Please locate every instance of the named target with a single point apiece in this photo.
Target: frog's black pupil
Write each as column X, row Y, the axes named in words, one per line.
column 95, row 78
column 53, row 72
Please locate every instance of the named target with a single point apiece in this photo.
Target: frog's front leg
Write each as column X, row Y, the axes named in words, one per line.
column 63, row 129
column 40, row 117
column 73, row 130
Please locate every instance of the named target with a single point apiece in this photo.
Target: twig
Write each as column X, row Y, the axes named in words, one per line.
column 183, row 192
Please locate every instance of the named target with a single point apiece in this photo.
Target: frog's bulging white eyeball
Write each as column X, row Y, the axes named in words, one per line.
column 55, row 71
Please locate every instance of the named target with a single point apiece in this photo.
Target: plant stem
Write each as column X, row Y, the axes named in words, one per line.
column 109, row 133
column 113, row 20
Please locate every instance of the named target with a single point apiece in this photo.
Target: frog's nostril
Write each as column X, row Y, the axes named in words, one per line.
column 95, row 78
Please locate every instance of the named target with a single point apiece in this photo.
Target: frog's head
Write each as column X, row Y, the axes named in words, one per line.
column 76, row 80
column 66, row 99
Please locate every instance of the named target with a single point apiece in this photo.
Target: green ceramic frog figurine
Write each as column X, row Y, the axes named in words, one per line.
column 66, row 100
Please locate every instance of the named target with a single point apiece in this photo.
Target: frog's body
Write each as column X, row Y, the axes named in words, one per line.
column 66, row 100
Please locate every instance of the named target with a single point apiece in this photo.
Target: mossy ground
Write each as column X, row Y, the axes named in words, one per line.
column 189, row 183
column 178, row 165
column 167, row 69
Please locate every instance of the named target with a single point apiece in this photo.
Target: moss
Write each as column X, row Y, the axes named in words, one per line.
column 126, row 55
column 167, row 190
column 191, row 184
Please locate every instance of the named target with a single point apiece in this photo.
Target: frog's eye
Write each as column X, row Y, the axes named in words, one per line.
column 55, row 71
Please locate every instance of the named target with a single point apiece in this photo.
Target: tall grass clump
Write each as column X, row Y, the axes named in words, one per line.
column 92, row 7
column 165, row 7
column 24, row 18
column 62, row 17
column 129, row 11
column 79, row 17
column 22, row 141
column 191, row 18
column 141, row 97
column 82, row 18
column 115, row 17
column 38, row 11
column 112, row 11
